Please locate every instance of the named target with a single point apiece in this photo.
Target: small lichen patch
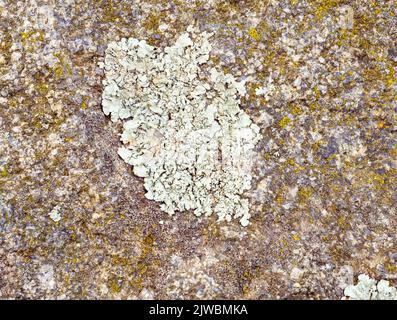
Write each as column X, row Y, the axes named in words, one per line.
column 284, row 122
column 55, row 215
column 185, row 133
column 370, row 289
column 254, row 34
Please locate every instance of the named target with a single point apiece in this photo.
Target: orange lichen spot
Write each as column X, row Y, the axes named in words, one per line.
column 298, row 168
column 378, row 11
column 41, row 36
column 380, row 124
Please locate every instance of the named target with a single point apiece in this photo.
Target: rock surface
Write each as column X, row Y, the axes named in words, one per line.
column 321, row 79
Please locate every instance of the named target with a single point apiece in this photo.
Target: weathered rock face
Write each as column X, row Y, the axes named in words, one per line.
column 321, row 85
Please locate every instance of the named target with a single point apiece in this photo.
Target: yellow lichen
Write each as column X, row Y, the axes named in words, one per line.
column 42, row 88
column 266, row 155
column 279, row 197
column 296, row 110
column 4, row 172
column 83, row 104
column 380, row 124
column 26, row 35
column 284, row 122
column 323, row 7
column 304, row 193
column 390, row 76
column 61, row 67
column 152, row 22
column 114, row 286
column 246, row 290
column 391, row 267
column 341, row 221
column 30, row 38
column 377, row 180
column 317, row 92
column 254, row 33
column 290, row 162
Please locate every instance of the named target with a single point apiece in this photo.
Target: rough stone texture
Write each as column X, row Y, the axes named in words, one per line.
column 324, row 198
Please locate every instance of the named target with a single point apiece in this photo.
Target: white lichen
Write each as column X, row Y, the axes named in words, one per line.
column 184, row 131
column 46, row 277
column 55, row 214
column 370, row 289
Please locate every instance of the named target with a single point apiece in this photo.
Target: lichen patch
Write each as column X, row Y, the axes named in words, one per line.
column 184, row 131
column 369, row 289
